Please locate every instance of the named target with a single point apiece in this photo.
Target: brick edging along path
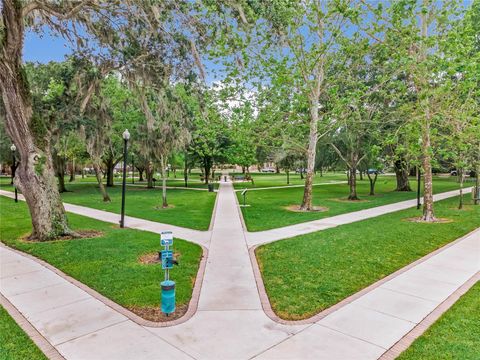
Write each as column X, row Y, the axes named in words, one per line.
column 42, row 343
column 192, row 305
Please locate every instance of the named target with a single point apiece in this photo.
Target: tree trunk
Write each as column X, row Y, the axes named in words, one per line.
column 207, row 167
column 185, row 171
column 243, row 169
column 140, row 170
column 353, row 183
column 311, row 153
column 401, row 173
column 149, row 174
column 428, row 213
column 110, row 165
column 72, row 171
column 288, row 177
column 277, row 169
column 35, row 175
column 164, row 184
column 372, row 182
column 98, row 175
column 59, row 166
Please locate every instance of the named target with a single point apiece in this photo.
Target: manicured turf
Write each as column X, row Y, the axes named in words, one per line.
column 268, row 208
column 14, row 343
column 269, row 179
column 309, row 273
column 109, row 264
column 190, row 208
column 454, row 336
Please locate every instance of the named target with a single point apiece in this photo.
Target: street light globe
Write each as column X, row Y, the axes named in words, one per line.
column 13, row 147
column 126, row 135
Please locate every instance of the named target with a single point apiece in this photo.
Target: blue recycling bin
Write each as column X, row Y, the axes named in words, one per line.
column 168, row 296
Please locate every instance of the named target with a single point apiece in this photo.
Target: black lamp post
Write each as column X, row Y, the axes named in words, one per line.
column 14, row 168
column 418, row 187
column 126, row 137
column 133, row 168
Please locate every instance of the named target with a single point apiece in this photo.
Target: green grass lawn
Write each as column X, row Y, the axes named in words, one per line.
column 14, row 343
column 454, row 336
column 270, row 179
column 309, row 273
column 109, row 264
column 191, row 209
column 268, row 208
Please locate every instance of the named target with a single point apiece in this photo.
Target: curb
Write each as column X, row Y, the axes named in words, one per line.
column 192, row 305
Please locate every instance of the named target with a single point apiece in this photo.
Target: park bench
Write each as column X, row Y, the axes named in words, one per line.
column 243, row 178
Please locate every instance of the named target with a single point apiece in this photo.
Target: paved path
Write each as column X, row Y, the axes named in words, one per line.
column 291, row 186
column 262, row 237
column 230, row 323
column 195, row 236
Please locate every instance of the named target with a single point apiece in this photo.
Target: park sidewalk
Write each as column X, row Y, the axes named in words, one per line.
column 230, row 323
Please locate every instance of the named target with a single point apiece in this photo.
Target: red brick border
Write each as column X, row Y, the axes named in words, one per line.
column 42, row 343
column 192, row 305
column 423, row 325
column 267, row 308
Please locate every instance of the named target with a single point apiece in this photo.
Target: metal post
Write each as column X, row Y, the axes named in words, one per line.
column 477, row 187
column 14, row 168
column 244, row 198
column 133, row 169
column 124, row 184
column 418, row 187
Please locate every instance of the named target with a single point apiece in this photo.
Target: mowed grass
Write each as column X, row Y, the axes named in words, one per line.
column 268, row 208
column 188, row 208
column 108, row 264
column 454, row 336
column 271, row 180
column 309, row 273
column 14, row 343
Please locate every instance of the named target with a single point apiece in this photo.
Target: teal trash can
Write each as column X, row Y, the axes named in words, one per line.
column 168, row 296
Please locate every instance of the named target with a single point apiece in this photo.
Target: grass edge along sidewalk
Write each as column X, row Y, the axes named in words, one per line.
column 454, row 335
column 307, row 274
column 15, row 344
column 108, row 263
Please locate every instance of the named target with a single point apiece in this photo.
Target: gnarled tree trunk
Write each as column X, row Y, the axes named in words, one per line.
column 35, row 175
column 149, row 174
column 401, row 173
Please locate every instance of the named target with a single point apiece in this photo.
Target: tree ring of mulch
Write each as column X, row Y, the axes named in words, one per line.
column 345, row 200
column 296, row 208
column 154, row 313
column 153, row 258
column 82, row 234
column 163, row 208
column 421, row 221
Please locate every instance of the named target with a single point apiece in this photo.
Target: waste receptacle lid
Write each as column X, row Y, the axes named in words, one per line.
column 167, row 284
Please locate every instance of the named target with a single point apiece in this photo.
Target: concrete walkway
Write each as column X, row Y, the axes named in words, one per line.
column 333, row 182
column 195, row 236
column 263, row 237
column 230, row 322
